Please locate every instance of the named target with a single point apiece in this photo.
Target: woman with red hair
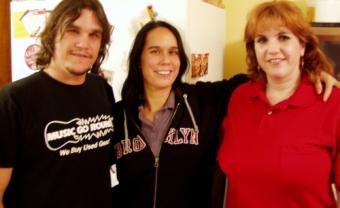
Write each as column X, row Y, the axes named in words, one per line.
column 281, row 140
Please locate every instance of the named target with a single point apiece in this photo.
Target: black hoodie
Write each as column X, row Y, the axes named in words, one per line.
column 185, row 175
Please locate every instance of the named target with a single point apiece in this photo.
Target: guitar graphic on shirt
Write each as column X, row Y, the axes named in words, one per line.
column 59, row 133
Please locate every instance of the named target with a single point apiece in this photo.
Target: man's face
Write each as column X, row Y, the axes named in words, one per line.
column 76, row 50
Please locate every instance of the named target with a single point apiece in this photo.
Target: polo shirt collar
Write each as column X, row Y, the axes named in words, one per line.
column 304, row 96
column 169, row 104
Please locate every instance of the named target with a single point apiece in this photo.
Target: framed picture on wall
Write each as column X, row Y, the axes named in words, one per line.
column 329, row 37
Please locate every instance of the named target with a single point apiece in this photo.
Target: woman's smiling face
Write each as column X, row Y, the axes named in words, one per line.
column 160, row 61
column 278, row 52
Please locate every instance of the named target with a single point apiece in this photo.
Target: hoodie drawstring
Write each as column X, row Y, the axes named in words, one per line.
column 185, row 96
column 126, row 132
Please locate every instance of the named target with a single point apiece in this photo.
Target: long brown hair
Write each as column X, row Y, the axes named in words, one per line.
column 133, row 89
column 66, row 12
column 289, row 15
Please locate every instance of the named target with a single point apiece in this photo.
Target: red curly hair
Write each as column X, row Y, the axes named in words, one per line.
column 284, row 13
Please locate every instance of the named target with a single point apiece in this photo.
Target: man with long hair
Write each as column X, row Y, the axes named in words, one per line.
column 56, row 124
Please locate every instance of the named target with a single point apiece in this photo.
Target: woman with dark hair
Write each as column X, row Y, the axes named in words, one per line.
column 281, row 140
column 133, row 87
column 167, row 132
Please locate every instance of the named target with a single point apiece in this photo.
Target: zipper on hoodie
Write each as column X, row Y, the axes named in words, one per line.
column 156, row 163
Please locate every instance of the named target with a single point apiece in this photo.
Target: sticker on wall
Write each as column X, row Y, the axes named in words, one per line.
column 199, row 64
column 204, row 64
column 30, row 53
column 195, row 64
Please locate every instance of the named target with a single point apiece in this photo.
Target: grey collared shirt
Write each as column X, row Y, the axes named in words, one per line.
column 156, row 130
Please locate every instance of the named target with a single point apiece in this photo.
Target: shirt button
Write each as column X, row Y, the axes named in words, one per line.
column 270, row 112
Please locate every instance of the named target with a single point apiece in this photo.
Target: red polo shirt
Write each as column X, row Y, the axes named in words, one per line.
column 283, row 155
